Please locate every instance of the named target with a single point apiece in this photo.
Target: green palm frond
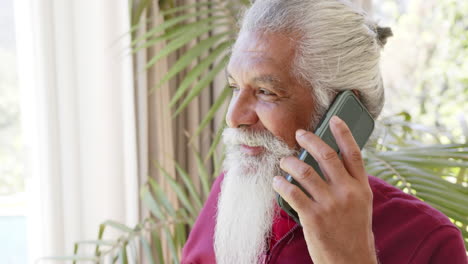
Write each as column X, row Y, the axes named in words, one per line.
column 213, row 110
column 213, row 25
column 196, row 72
column 431, row 173
column 167, row 225
column 188, row 197
column 205, row 59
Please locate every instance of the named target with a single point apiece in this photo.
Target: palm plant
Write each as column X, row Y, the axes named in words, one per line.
column 213, row 24
column 422, row 161
column 167, row 226
column 434, row 172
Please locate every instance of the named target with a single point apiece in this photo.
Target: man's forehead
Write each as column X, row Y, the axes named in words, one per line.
column 264, row 46
column 258, row 57
column 261, row 58
column 254, row 41
column 252, row 63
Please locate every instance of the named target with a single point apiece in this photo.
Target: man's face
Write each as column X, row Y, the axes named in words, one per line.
column 266, row 95
column 267, row 107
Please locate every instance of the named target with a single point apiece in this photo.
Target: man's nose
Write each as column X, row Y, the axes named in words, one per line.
column 241, row 110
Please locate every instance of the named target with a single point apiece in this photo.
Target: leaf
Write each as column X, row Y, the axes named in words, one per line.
column 102, row 228
column 443, row 202
column 118, row 226
column 150, row 203
column 389, row 166
column 170, row 23
column 176, row 44
column 181, row 233
column 429, row 176
column 175, row 32
column 141, row 7
column 189, row 56
column 178, row 190
column 75, row 250
column 97, row 242
column 217, row 165
column 437, row 147
column 71, row 258
column 169, row 35
column 171, row 244
column 147, row 251
column 435, row 183
column 188, row 183
column 132, row 250
column 431, row 163
column 156, row 238
column 216, row 139
column 207, row 79
column 455, row 197
column 162, row 197
column 188, row 219
column 213, row 110
column 448, row 212
column 185, row 7
column 454, row 154
column 375, row 168
column 204, row 64
column 203, row 174
column 387, row 175
column 461, row 175
column 123, row 254
column 165, row 13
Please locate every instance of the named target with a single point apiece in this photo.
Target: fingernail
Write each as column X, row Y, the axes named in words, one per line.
column 300, row 132
column 336, row 120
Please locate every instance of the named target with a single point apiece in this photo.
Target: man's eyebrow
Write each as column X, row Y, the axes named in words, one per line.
column 261, row 78
column 266, row 78
column 271, row 80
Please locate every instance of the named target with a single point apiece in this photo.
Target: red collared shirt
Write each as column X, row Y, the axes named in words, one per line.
column 406, row 230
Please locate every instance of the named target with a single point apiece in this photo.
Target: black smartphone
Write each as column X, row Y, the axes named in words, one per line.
column 347, row 107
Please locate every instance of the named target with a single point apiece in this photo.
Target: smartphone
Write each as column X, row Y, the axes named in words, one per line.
column 347, row 107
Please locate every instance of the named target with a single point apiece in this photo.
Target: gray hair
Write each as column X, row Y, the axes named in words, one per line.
column 338, row 47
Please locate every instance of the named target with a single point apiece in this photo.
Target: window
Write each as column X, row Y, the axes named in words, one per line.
column 13, row 245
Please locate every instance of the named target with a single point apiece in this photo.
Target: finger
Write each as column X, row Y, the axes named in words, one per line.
column 307, row 177
column 294, row 196
column 349, row 149
column 327, row 158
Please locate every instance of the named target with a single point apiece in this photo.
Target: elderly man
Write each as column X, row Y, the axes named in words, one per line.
column 290, row 60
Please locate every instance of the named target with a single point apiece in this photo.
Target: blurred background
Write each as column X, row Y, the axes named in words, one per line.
column 12, row 168
column 91, row 108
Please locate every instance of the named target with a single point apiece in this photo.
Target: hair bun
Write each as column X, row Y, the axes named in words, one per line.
column 383, row 33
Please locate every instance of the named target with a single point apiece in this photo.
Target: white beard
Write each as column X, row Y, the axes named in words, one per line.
column 246, row 202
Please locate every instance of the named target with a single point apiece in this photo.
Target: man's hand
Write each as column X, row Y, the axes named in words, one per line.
column 337, row 218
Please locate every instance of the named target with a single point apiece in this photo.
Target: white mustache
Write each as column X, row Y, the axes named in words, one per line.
column 236, row 136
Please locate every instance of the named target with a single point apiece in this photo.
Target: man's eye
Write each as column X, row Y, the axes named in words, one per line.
column 234, row 87
column 266, row 92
